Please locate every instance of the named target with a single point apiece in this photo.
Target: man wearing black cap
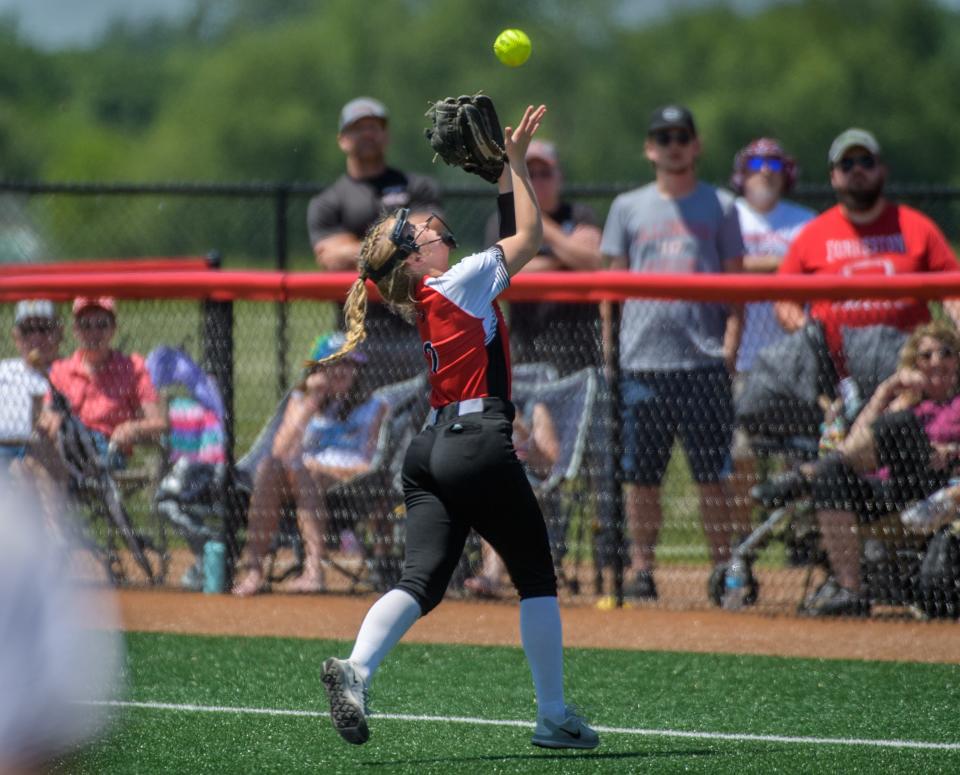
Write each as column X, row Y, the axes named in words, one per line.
column 676, row 357
column 338, row 218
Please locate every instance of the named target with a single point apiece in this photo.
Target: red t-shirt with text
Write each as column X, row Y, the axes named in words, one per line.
column 902, row 240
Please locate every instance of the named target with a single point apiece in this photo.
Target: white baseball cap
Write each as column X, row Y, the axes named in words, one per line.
column 362, row 107
column 34, row 308
column 852, row 138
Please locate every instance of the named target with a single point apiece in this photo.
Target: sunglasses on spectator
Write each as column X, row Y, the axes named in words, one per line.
column 39, row 327
column 88, row 324
column 663, row 137
column 925, row 356
column 772, row 163
column 866, row 161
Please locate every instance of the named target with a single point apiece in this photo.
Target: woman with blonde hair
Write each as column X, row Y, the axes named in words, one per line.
column 461, row 471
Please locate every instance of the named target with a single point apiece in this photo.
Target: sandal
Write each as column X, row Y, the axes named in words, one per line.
column 307, row 583
column 252, row 584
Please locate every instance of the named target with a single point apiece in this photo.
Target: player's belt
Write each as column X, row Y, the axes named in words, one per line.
column 456, row 409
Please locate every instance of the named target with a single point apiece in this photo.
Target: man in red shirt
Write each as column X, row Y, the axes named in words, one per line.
column 864, row 234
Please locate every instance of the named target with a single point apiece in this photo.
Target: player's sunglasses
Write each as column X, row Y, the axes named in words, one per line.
column 757, row 163
column 663, row 137
column 866, row 161
column 925, row 356
column 38, row 327
column 89, row 324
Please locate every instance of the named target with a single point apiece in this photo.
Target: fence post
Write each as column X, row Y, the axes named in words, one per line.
column 280, row 243
column 217, row 338
column 616, row 450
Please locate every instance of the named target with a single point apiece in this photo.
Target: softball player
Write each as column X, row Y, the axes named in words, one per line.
column 461, row 471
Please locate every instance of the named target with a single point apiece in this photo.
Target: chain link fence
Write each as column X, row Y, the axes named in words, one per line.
column 572, row 430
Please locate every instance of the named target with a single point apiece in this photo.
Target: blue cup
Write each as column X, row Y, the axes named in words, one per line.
column 214, row 567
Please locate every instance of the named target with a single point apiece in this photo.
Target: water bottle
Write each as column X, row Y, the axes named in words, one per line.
column 929, row 514
column 214, row 567
column 735, row 584
column 850, row 395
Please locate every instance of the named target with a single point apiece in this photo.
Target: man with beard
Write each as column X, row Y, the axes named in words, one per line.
column 338, row 218
column 864, row 234
column 676, row 357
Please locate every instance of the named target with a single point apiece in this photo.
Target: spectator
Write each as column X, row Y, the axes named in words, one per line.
column 676, row 357
column 762, row 174
column 318, row 444
column 908, row 436
column 864, row 234
column 537, row 446
column 565, row 335
column 109, row 393
column 23, row 381
column 338, row 218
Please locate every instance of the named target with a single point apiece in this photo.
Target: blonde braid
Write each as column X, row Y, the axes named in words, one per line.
column 396, row 289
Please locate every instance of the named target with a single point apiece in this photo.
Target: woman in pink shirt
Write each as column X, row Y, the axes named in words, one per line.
column 109, row 392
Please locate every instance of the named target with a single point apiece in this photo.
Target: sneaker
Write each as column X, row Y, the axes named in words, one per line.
column 348, row 700
column 572, row 732
column 780, row 490
column 835, row 600
column 643, row 587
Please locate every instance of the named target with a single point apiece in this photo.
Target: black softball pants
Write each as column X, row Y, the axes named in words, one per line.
column 463, row 473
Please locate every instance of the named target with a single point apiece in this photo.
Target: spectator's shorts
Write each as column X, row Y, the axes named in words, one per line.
column 658, row 406
column 903, row 452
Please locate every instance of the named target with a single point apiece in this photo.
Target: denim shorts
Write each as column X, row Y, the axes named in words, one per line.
column 659, row 406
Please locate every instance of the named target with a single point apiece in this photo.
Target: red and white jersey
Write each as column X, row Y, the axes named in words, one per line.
column 463, row 332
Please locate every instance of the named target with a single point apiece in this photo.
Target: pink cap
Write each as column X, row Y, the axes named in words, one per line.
column 82, row 303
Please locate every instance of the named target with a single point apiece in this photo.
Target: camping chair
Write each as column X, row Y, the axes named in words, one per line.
column 96, row 490
column 526, row 375
column 570, row 402
column 365, row 503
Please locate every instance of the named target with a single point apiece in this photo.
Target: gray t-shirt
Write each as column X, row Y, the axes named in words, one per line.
column 696, row 233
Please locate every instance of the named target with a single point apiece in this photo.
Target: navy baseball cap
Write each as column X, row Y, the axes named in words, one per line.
column 362, row 107
column 669, row 117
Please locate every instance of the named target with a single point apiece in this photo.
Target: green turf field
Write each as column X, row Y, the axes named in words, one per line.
column 254, row 705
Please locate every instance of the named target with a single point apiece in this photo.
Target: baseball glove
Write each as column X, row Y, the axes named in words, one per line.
column 466, row 133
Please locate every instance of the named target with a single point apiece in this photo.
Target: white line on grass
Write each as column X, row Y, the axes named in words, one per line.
column 731, row 736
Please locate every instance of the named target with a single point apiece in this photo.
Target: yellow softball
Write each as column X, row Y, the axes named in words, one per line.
column 512, row 47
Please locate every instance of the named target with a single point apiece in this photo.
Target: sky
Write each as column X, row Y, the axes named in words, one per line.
column 54, row 24
column 76, row 23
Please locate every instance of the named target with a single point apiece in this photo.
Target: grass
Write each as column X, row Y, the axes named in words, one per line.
column 667, row 694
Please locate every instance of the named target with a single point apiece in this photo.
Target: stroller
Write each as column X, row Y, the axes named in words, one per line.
column 782, row 409
column 197, row 497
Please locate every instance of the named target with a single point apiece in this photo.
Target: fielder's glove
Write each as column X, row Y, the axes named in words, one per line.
column 466, row 133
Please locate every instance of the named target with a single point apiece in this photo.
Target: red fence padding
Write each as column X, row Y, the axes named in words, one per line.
column 177, row 263
column 541, row 286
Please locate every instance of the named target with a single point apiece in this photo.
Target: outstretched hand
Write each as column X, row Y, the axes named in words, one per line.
column 516, row 141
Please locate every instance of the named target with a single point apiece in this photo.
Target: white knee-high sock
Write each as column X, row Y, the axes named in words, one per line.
column 542, row 636
column 383, row 626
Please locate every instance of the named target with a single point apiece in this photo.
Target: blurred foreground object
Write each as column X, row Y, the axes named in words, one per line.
column 55, row 671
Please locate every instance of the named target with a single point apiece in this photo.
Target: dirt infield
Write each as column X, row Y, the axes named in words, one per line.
column 455, row 621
